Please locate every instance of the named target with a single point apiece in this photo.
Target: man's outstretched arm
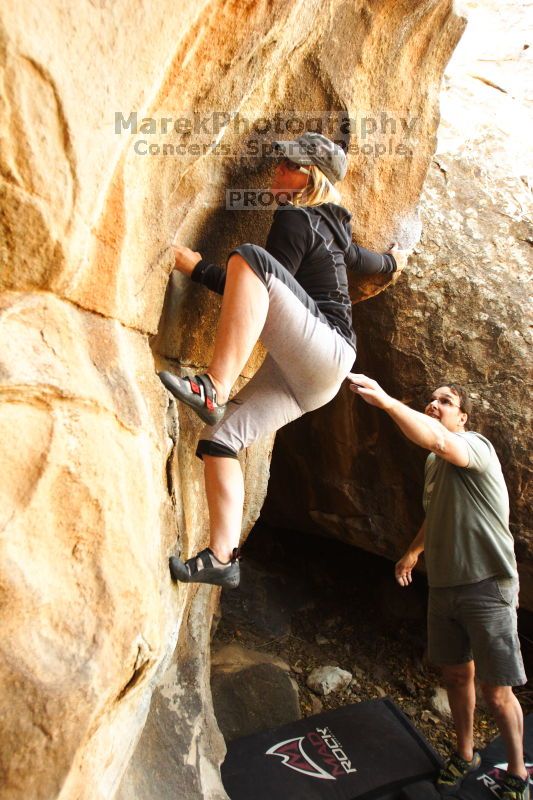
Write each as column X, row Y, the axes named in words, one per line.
column 419, row 428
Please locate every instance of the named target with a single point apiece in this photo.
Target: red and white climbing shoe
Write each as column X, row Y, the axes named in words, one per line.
column 198, row 393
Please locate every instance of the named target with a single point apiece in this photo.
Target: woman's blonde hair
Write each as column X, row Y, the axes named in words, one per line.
column 318, row 190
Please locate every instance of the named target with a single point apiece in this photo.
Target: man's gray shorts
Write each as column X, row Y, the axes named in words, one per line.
column 306, row 363
column 478, row 621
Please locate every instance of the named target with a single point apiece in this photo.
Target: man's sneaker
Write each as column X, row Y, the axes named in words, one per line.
column 454, row 771
column 198, row 393
column 514, row 788
column 200, row 569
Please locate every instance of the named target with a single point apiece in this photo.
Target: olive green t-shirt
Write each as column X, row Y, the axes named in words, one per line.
column 467, row 535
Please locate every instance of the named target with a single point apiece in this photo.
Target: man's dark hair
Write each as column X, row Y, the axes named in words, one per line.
column 465, row 403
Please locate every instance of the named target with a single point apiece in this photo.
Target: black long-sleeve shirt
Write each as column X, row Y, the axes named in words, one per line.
column 314, row 243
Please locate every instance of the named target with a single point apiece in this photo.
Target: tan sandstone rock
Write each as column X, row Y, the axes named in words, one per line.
column 99, row 475
column 86, row 525
column 180, row 744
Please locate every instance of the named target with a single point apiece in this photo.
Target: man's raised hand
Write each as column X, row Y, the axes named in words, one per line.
column 370, row 391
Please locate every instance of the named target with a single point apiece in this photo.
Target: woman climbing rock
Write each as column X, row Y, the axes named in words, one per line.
column 293, row 295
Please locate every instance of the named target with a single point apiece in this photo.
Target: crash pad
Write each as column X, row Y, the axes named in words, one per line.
column 362, row 751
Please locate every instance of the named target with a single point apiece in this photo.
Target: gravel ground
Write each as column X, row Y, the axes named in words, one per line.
column 314, row 602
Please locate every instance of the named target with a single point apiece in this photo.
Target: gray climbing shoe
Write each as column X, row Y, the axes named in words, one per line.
column 454, row 772
column 514, row 788
column 189, row 571
column 198, row 393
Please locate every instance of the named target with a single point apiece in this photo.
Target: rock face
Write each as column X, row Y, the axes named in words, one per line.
column 86, row 521
column 181, row 738
column 99, row 474
column 458, row 312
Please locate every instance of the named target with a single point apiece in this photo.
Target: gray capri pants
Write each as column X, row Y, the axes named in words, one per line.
column 307, row 361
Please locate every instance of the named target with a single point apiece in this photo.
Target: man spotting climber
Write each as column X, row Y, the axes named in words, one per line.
column 472, row 575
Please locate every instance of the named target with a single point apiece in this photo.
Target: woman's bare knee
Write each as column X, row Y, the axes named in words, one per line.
column 236, row 261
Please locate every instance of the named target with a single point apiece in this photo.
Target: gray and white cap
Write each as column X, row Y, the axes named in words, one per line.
column 317, row 149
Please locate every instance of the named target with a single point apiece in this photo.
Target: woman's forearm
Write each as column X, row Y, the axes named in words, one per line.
column 209, row 275
column 367, row 262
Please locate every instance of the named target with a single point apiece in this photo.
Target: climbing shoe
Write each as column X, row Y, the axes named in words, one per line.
column 198, row 393
column 514, row 788
column 454, row 771
column 201, row 569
